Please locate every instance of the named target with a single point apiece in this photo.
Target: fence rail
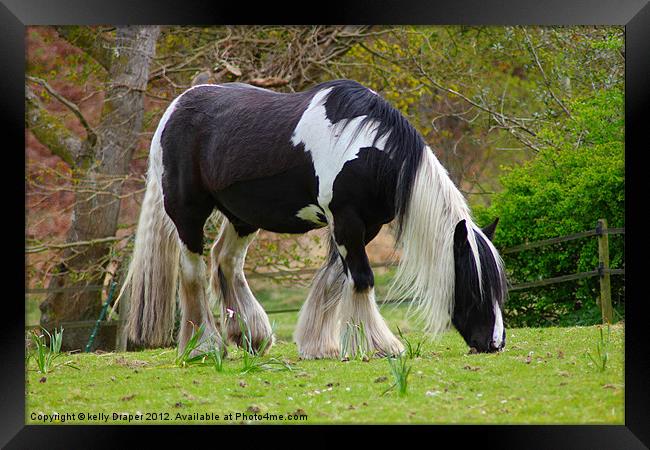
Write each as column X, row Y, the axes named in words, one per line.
column 546, row 242
column 603, row 271
column 557, row 240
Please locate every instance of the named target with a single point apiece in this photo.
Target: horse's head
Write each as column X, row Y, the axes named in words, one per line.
column 477, row 310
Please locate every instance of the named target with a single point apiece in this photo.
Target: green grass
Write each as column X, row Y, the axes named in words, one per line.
column 544, row 376
column 47, row 350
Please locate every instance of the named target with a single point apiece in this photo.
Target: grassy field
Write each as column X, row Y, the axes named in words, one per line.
column 544, row 376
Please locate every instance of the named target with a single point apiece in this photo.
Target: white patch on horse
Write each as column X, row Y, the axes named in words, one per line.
column 310, row 214
column 330, row 145
column 190, row 263
column 497, row 334
column 155, row 150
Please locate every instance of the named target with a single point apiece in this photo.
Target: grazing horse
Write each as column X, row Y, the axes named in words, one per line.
column 337, row 156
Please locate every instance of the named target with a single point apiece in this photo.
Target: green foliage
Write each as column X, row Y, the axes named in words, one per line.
column 400, row 371
column 354, row 342
column 184, row 358
column 46, row 354
column 252, row 361
column 215, row 356
column 601, row 355
column 527, row 74
column 564, row 190
column 412, row 349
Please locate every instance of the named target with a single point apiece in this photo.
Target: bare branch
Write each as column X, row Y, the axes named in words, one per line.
column 45, row 247
column 546, row 80
column 517, row 123
column 50, row 130
column 92, row 136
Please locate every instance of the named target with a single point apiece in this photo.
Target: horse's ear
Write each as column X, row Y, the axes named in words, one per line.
column 460, row 234
column 489, row 230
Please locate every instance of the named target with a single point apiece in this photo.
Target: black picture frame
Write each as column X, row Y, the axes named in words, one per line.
column 15, row 15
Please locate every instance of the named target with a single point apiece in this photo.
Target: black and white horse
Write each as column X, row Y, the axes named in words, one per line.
column 335, row 156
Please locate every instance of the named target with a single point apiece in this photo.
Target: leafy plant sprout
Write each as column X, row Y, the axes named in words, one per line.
column 45, row 354
column 252, row 361
column 411, row 350
column 400, row 371
column 353, row 341
column 216, row 355
column 184, row 359
column 601, row 355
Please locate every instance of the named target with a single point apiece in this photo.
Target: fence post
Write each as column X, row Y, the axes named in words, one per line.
column 603, row 269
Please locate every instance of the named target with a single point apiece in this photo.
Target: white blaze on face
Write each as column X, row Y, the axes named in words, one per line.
column 497, row 334
column 330, row 147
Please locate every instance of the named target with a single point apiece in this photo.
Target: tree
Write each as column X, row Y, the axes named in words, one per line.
column 481, row 95
column 561, row 191
column 98, row 162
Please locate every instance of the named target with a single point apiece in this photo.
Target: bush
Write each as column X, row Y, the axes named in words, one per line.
column 563, row 190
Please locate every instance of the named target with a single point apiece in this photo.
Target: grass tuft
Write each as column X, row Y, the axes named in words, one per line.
column 184, row 359
column 400, row 371
column 252, row 360
column 354, row 342
column 601, row 354
column 45, row 354
column 412, row 350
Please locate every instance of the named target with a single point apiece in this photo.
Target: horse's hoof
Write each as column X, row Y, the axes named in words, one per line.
column 259, row 346
column 322, row 354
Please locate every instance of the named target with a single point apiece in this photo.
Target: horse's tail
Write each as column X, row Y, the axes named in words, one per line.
column 426, row 223
column 152, row 277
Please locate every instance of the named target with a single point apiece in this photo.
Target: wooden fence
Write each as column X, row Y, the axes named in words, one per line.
column 603, row 271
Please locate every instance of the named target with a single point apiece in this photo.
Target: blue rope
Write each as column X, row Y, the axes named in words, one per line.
column 102, row 314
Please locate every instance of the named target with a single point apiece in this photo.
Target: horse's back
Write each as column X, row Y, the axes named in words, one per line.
column 261, row 159
column 233, row 132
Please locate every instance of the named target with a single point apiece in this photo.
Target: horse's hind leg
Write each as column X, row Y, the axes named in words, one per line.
column 230, row 287
column 362, row 326
column 317, row 333
column 195, row 307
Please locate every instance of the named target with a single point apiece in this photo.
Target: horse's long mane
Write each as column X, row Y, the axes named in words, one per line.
column 427, row 204
column 426, row 271
column 400, row 140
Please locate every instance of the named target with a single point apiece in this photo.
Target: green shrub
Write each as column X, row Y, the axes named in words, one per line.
column 561, row 191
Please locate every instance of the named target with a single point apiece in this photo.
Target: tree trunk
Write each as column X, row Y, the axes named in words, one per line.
column 100, row 169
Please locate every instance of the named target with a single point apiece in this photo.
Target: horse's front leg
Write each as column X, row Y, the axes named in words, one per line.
column 317, row 333
column 363, row 329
